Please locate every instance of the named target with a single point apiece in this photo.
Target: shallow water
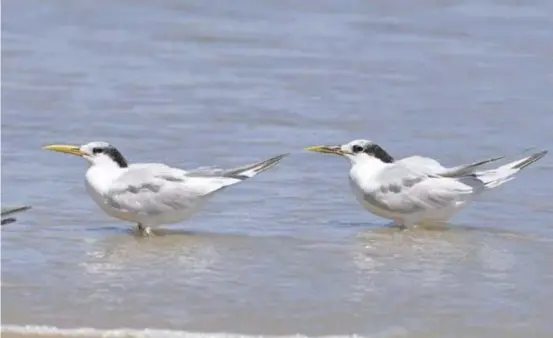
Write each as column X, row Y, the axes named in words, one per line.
column 290, row 252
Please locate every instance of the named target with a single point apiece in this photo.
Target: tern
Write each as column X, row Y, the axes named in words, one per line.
column 417, row 190
column 152, row 194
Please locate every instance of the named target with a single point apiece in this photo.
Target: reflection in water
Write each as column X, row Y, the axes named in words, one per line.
column 418, row 256
column 192, row 252
column 496, row 260
column 180, row 259
column 473, row 269
column 429, row 254
column 429, row 257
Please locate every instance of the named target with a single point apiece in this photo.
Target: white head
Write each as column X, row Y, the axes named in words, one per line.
column 96, row 153
column 357, row 151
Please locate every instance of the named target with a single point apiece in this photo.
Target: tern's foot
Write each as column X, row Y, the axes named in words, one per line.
column 399, row 225
column 402, row 227
column 144, row 231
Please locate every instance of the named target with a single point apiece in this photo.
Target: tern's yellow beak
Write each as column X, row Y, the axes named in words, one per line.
column 61, row 148
column 336, row 150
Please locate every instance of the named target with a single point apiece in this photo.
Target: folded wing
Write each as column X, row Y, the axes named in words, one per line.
column 415, row 185
column 155, row 189
column 418, row 183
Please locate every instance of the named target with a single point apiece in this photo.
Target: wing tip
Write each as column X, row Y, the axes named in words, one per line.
column 250, row 171
column 269, row 163
column 530, row 159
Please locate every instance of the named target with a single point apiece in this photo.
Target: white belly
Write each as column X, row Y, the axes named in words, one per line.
column 101, row 202
column 360, row 196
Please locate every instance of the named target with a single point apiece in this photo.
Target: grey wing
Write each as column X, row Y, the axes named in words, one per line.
column 425, row 164
column 406, row 188
column 431, row 166
column 468, row 169
column 155, row 189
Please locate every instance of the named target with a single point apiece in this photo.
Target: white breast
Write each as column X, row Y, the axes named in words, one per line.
column 97, row 183
column 360, row 196
column 359, row 175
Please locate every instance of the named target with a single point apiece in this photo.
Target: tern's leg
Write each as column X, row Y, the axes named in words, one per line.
column 144, row 230
column 400, row 224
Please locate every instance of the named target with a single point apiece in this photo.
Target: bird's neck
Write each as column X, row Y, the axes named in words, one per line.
column 366, row 161
column 99, row 177
column 365, row 168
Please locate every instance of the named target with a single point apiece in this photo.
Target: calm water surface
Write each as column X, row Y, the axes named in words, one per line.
column 199, row 83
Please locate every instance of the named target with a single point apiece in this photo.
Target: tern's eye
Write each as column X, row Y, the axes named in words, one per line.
column 357, row 148
column 97, row 150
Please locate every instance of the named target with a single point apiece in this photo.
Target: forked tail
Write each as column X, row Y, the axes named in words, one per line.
column 249, row 171
column 496, row 177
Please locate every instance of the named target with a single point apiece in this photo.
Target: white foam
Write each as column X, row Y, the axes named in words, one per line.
column 111, row 333
column 52, row 331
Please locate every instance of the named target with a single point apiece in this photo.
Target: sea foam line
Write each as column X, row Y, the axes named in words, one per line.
column 42, row 330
